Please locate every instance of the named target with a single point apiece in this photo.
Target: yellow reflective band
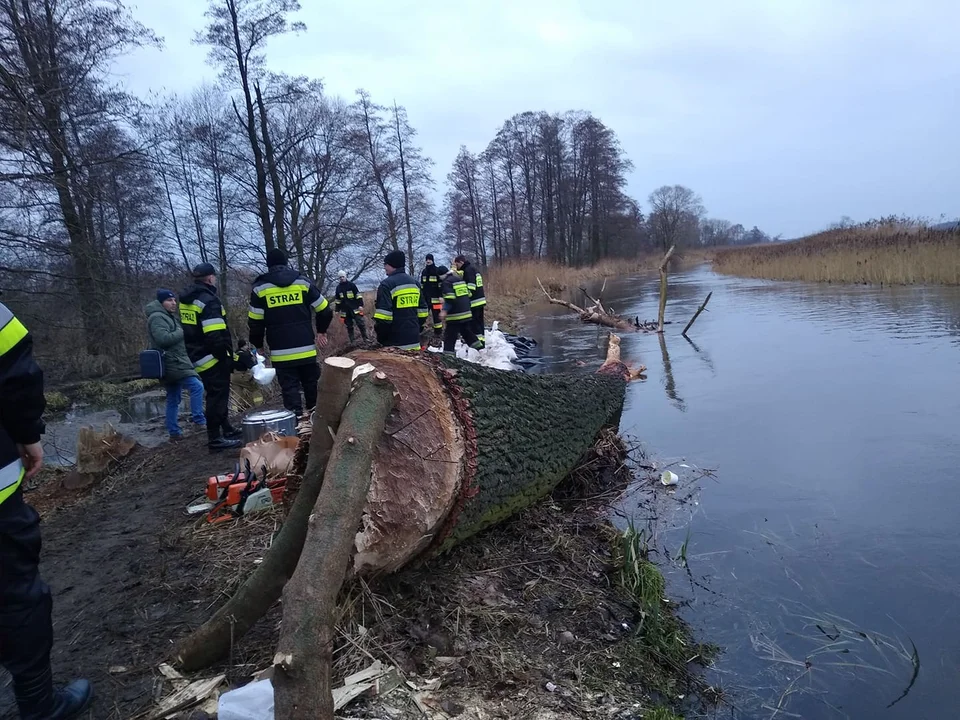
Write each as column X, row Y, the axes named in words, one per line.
column 423, row 313
column 472, row 286
column 460, row 289
column 480, row 302
column 213, row 325
column 282, row 297
column 255, row 315
column 320, row 305
column 11, row 334
column 460, row 316
column 451, row 296
column 205, row 364
column 294, row 356
column 386, row 315
column 412, row 346
column 10, row 478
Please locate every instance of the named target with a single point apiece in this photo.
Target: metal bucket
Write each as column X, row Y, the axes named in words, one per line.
column 256, row 425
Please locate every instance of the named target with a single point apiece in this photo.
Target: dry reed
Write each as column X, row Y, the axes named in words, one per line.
column 887, row 252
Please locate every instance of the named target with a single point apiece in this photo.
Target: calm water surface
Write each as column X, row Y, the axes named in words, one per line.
column 826, row 545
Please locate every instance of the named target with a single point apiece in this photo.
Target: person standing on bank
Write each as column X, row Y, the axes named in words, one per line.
column 283, row 309
column 430, row 280
column 26, row 627
column 456, row 312
column 210, row 348
column 349, row 303
column 166, row 335
column 478, row 301
column 401, row 309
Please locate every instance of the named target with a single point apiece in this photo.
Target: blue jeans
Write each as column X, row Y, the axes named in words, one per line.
column 175, row 393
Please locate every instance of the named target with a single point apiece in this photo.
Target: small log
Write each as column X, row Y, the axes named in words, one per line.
column 663, row 287
column 613, row 365
column 212, row 640
column 697, row 314
column 302, row 682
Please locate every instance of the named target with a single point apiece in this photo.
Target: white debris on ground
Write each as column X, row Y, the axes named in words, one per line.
column 498, row 353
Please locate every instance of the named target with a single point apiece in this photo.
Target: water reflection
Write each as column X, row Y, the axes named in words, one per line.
column 831, row 414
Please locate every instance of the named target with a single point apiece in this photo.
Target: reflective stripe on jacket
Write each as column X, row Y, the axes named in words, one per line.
column 430, row 283
column 205, row 331
column 474, row 281
column 21, row 399
column 456, row 298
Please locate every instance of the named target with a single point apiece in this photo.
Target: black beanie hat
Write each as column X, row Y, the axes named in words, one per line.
column 276, row 257
column 203, row 270
column 429, row 256
column 442, row 270
column 396, row 259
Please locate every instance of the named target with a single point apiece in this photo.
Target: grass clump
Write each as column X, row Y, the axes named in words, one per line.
column 56, row 401
column 661, row 713
column 890, row 251
column 107, row 394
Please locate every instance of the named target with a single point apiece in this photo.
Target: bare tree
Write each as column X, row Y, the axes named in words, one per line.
column 675, row 211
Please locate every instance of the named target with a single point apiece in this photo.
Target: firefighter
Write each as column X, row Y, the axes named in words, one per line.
column 430, row 287
column 401, row 309
column 478, row 301
column 456, row 312
column 283, row 309
column 349, row 304
column 26, row 628
column 210, row 348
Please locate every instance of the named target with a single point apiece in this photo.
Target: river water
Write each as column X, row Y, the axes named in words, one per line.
column 816, row 430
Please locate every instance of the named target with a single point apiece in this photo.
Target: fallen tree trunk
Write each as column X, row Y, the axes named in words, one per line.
column 595, row 313
column 466, row 447
column 305, row 651
column 212, row 640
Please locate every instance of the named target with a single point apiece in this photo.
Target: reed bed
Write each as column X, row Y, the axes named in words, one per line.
column 878, row 252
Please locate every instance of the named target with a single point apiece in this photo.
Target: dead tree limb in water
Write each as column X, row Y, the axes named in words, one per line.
column 212, row 640
column 697, row 314
column 663, row 287
column 305, row 652
column 593, row 314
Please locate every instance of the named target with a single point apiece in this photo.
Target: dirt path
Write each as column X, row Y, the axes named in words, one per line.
column 122, row 582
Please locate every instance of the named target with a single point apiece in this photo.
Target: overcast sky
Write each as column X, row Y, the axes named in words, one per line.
column 786, row 114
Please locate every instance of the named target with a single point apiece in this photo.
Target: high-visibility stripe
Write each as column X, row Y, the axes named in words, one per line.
column 450, row 296
column 301, row 282
column 298, row 353
column 412, row 346
column 12, row 331
column 258, row 289
column 199, row 305
column 460, row 316
column 213, row 325
column 437, row 326
column 205, row 363
column 10, row 478
column 403, row 289
column 479, row 302
column 386, row 315
column 423, row 313
column 256, row 313
column 319, row 304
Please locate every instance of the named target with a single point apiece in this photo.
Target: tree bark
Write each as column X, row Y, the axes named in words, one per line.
column 302, row 679
column 263, row 588
column 663, row 288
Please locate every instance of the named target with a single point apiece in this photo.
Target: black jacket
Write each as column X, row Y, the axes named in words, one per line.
column 283, row 308
column 347, row 297
column 430, row 282
column 205, row 331
column 400, row 312
column 474, row 281
column 21, row 399
column 456, row 298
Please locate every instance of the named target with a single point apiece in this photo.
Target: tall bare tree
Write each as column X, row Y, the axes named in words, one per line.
column 675, row 214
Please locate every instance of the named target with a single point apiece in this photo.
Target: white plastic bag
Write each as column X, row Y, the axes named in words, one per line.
column 261, row 373
column 250, row 702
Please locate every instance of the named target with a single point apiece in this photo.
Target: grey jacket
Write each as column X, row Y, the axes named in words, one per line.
column 166, row 334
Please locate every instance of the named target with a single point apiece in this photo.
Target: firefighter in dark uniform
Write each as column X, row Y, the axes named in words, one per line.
column 478, row 301
column 26, row 629
column 401, row 309
column 349, row 303
column 283, row 309
column 430, row 287
column 456, row 312
column 210, row 348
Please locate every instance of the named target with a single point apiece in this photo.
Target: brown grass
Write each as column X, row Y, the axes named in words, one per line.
column 886, row 252
column 509, row 286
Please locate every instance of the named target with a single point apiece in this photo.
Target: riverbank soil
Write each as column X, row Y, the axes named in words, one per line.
column 526, row 619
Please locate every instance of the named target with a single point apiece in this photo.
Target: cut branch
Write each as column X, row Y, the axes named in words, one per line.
column 697, row 314
column 663, row 287
column 594, row 314
column 262, row 589
column 304, row 654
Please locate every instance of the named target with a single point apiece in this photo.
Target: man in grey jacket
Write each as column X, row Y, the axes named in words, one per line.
column 166, row 335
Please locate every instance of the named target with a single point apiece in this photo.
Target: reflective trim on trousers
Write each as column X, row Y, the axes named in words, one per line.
column 205, row 363
column 10, row 478
column 298, row 353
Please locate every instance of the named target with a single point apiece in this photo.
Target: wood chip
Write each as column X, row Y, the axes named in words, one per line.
column 186, row 697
